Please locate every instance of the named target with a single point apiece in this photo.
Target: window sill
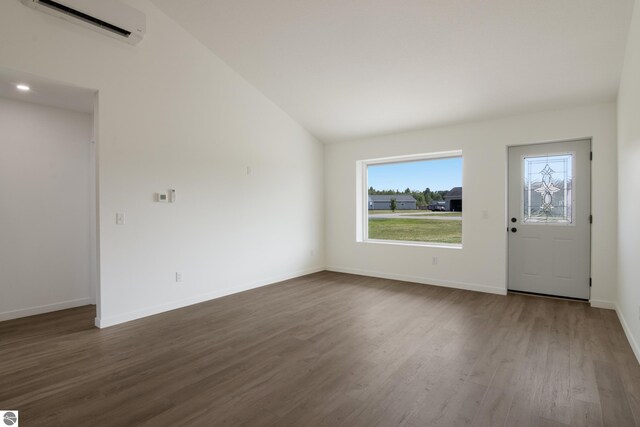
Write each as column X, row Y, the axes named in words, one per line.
column 418, row 244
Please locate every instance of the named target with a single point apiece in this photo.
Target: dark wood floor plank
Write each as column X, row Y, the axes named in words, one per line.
column 327, row 349
column 586, row 414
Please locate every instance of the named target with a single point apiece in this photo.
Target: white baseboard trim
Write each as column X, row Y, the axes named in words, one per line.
column 47, row 308
column 627, row 332
column 597, row 303
column 422, row 280
column 150, row 311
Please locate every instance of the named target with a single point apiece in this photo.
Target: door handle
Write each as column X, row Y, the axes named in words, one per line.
column 513, row 229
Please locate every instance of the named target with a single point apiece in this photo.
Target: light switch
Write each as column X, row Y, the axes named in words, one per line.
column 119, row 218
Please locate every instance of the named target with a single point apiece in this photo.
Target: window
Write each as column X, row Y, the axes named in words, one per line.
column 412, row 200
column 548, row 189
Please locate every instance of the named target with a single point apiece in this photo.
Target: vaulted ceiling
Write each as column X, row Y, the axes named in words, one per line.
column 351, row 68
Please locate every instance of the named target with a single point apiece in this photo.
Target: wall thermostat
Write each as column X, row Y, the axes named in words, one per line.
column 169, row 196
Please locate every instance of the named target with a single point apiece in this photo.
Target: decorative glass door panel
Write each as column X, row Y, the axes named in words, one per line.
column 548, row 189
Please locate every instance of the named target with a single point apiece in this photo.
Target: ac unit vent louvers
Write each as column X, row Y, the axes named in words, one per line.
column 83, row 16
column 112, row 18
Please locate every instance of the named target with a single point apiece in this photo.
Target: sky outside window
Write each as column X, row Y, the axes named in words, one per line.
column 436, row 174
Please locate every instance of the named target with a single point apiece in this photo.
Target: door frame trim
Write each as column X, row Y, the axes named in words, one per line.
column 506, row 206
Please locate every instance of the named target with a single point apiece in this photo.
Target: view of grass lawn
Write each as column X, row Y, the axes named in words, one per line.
column 416, row 230
column 435, row 214
column 388, row 211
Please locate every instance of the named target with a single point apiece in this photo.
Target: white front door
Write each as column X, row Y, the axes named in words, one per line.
column 549, row 218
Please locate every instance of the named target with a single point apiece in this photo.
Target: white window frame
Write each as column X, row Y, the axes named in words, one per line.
column 362, row 197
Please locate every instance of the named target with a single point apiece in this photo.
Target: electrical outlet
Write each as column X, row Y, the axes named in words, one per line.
column 119, row 218
column 179, row 276
column 434, row 260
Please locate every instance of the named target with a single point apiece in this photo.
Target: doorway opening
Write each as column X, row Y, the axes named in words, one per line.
column 48, row 196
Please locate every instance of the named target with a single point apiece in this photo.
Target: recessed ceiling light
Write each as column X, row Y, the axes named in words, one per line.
column 23, row 88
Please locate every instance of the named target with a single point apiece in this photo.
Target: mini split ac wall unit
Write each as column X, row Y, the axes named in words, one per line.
column 110, row 17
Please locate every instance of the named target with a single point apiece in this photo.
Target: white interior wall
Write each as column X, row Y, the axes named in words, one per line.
column 481, row 263
column 629, row 188
column 45, row 204
column 173, row 115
